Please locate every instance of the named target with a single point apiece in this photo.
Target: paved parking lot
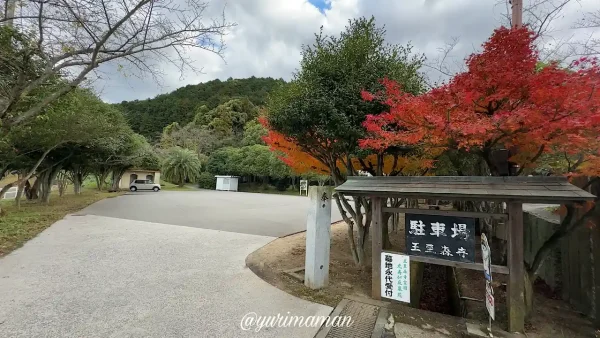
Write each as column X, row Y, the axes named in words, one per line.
column 249, row 213
column 94, row 276
column 166, row 264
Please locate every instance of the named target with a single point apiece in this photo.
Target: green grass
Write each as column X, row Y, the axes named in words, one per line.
column 164, row 185
column 17, row 226
column 269, row 189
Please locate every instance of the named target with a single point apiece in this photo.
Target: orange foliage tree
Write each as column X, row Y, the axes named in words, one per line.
column 504, row 100
column 291, row 154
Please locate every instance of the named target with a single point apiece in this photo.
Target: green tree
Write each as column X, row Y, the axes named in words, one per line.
column 42, row 147
column 181, row 165
column 226, row 161
column 253, row 133
column 322, row 110
column 193, row 103
column 224, row 126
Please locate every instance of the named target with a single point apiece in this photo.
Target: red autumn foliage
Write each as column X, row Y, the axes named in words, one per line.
column 302, row 162
column 290, row 153
column 502, row 100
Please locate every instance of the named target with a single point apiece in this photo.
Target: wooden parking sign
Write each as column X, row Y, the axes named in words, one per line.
column 444, row 237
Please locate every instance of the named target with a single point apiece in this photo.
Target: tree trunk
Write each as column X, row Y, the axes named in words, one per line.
column 2, row 192
column 387, row 245
column 35, row 189
column 98, row 184
column 360, row 248
column 101, row 178
column 27, row 190
column 350, row 223
column 49, row 177
column 20, row 189
column 362, row 219
column 62, row 181
column 46, row 188
column 77, row 181
column 117, row 175
column 27, row 175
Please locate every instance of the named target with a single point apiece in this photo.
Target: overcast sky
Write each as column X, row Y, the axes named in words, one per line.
column 269, row 35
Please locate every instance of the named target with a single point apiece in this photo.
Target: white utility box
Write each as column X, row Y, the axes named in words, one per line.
column 227, row 183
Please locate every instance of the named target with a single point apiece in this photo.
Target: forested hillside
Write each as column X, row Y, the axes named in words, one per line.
column 149, row 117
column 227, row 140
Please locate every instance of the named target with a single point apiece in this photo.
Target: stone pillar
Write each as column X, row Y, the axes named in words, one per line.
column 318, row 237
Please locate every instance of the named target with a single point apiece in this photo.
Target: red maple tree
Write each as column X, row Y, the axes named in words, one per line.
column 503, row 100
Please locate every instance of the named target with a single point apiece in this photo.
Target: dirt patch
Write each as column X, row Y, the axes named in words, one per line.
column 429, row 321
column 345, row 278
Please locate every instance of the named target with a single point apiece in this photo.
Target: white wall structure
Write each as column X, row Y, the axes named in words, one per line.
column 10, row 194
column 303, row 187
column 318, row 237
column 227, row 183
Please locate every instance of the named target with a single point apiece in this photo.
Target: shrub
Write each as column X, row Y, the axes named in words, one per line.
column 282, row 184
column 207, row 181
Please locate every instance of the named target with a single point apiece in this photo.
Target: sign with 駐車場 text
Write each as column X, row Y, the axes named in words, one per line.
column 445, row 237
column 395, row 276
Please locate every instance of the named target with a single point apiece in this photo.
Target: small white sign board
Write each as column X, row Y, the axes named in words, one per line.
column 487, row 270
column 487, row 258
column 395, row 277
column 489, row 298
column 304, row 186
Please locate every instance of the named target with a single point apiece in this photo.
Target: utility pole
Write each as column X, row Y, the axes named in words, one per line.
column 9, row 12
column 517, row 13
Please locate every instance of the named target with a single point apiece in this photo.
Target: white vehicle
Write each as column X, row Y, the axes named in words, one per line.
column 144, row 185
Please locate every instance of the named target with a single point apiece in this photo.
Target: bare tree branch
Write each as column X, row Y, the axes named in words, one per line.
column 539, row 16
column 440, row 64
column 590, row 46
column 75, row 36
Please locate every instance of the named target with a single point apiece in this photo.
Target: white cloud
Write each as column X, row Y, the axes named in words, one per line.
column 269, row 35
